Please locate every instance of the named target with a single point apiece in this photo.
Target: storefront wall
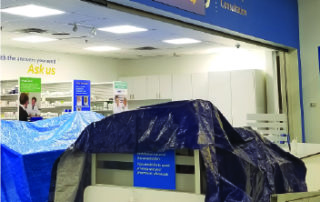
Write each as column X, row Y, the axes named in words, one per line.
column 309, row 42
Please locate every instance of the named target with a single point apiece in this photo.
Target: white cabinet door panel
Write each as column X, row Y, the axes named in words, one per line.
column 200, row 86
column 220, row 92
column 139, row 88
column 181, row 87
column 243, row 96
column 165, row 86
column 153, row 86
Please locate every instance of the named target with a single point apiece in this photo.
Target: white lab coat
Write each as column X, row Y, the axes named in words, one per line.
column 33, row 111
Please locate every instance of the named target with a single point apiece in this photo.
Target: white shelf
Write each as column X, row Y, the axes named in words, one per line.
column 9, row 119
column 97, row 101
column 57, row 97
column 11, row 96
column 9, row 107
column 56, row 107
column 103, row 110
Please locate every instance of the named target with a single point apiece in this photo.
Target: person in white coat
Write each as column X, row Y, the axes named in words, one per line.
column 33, row 108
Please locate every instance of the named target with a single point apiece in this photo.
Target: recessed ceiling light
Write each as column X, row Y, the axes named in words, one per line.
column 34, row 39
column 31, row 11
column 122, row 29
column 182, row 41
column 102, row 48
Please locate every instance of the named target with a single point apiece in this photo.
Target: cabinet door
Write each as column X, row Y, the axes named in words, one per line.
column 220, row 92
column 139, row 88
column 165, row 87
column 200, row 86
column 243, row 96
column 181, row 87
column 153, row 88
column 130, row 83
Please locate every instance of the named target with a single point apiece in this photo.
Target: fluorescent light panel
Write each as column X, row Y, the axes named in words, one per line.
column 34, row 39
column 123, row 29
column 102, row 48
column 181, row 41
column 32, row 11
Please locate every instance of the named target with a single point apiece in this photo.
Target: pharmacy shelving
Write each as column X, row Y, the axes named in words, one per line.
column 9, row 99
column 102, row 97
column 56, row 98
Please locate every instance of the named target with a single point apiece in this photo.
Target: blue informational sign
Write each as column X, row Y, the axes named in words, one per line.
column 194, row 6
column 272, row 20
column 81, row 95
column 155, row 170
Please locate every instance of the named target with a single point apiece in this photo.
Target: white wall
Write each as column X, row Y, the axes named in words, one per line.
column 67, row 67
column 193, row 63
column 309, row 16
column 225, row 60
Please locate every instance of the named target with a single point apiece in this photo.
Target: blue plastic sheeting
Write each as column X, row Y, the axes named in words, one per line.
column 240, row 164
column 28, row 151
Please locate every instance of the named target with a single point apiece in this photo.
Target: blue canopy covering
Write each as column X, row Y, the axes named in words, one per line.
column 240, row 164
column 28, row 151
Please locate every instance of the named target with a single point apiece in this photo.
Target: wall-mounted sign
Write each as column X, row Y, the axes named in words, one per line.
column 194, row 6
column 81, row 95
column 155, row 170
column 41, row 69
column 120, row 92
column 30, row 85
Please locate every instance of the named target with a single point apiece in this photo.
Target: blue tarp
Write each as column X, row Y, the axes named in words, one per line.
column 240, row 164
column 28, row 151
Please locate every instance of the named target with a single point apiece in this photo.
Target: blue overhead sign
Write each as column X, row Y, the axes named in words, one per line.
column 272, row 20
column 81, row 95
column 194, row 6
column 155, row 170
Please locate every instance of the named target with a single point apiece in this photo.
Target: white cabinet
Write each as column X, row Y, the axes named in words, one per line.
column 165, row 87
column 129, row 81
column 200, row 86
column 220, row 92
column 248, row 95
column 149, row 87
column 234, row 93
column 153, row 87
column 136, row 87
column 181, row 87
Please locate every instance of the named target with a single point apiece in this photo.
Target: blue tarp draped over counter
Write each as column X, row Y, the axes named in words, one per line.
column 28, row 151
column 240, row 164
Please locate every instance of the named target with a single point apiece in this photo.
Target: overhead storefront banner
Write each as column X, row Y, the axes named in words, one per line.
column 195, row 6
column 81, row 95
column 155, row 170
column 272, row 20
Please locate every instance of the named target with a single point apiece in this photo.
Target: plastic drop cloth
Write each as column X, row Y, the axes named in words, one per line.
column 29, row 150
column 240, row 164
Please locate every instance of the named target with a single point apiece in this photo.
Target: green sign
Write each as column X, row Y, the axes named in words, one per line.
column 30, row 85
column 120, row 85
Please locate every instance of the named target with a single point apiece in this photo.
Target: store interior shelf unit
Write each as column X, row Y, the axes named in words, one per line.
column 102, row 97
column 56, row 98
column 9, row 99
